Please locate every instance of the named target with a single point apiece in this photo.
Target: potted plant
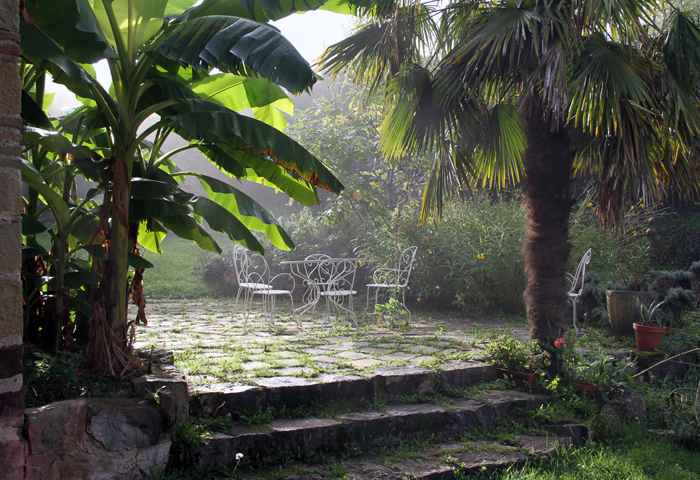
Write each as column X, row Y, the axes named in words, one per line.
column 519, row 362
column 648, row 333
column 630, row 263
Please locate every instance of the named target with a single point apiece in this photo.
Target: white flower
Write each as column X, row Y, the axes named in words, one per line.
column 239, row 456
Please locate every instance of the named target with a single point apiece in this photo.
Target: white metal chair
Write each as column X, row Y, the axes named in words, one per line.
column 268, row 287
column 250, row 275
column 337, row 279
column 394, row 278
column 575, row 291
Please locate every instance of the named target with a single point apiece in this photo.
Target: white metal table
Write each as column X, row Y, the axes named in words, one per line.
column 329, row 278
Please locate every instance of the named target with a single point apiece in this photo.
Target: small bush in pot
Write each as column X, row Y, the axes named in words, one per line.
column 648, row 333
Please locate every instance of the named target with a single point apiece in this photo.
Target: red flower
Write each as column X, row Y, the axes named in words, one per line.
column 559, row 342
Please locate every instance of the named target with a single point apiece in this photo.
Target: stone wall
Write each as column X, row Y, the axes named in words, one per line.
column 95, row 439
column 12, row 447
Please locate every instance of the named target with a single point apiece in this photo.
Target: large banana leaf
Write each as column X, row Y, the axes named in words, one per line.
column 72, row 25
column 238, row 93
column 214, row 124
column 242, row 165
column 138, row 20
column 232, row 44
column 184, row 226
column 264, row 10
column 33, row 114
column 42, row 50
column 220, row 219
column 245, row 209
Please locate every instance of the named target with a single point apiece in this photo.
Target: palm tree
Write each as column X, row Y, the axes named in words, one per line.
column 161, row 55
column 538, row 90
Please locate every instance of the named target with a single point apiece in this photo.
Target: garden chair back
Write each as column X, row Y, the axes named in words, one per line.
column 394, row 278
column 250, row 275
column 576, row 288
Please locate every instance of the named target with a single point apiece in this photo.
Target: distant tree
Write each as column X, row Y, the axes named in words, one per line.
column 538, row 90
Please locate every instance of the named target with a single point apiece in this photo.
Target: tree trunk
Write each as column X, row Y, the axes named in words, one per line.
column 548, row 201
column 115, row 277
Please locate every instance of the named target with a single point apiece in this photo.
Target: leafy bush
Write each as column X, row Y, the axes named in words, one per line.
column 469, row 260
column 218, row 271
column 676, row 242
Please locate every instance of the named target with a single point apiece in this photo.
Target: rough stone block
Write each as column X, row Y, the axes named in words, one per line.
column 176, row 385
column 457, row 374
column 398, row 381
column 10, row 94
column 364, row 426
column 159, row 357
column 486, row 462
column 47, row 425
column 306, row 435
column 425, row 470
column 260, row 443
column 416, row 420
column 12, row 408
column 347, row 388
column 12, row 452
column 291, row 392
column 123, row 423
column 469, row 414
column 11, row 295
column 10, row 361
column 95, row 439
column 508, row 402
column 9, row 16
column 11, row 198
column 233, row 399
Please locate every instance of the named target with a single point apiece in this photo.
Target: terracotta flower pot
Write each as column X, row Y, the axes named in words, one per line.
column 648, row 337
column 587, row 389
column 623, row 310
column 521, row 379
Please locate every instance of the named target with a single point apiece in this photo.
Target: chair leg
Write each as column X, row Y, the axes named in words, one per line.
column 364, row 313
column 575, row 327
column 403, row 293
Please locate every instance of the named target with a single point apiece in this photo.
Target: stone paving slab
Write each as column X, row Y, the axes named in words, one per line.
column 211, row 342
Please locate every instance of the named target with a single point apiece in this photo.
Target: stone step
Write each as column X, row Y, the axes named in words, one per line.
column 282, row 439
column 447, row 461
column 291, row 392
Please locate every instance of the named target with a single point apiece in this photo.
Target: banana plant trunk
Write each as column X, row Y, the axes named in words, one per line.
column 548, row 163
column 116, row 270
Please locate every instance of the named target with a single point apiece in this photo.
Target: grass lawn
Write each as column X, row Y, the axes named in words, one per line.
column 637, row 456
column 173, row 275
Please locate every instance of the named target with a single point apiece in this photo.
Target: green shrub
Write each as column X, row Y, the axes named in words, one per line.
column 469, row 260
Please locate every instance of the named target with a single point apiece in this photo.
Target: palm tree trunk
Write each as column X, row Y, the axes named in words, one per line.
column 548, row 201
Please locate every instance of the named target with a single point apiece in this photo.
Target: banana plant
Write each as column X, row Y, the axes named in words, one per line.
column 162, row 56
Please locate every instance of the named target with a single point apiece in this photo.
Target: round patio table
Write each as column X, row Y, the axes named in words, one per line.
column 332, row 278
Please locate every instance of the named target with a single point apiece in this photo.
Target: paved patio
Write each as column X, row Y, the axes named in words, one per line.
column 212, row 345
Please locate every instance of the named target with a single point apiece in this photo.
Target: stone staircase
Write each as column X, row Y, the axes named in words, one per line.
column 377, row 415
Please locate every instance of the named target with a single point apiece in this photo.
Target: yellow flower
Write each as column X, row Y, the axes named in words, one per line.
column 632, row 207
column 418, row 299
column 427, row 239
column 590, row 204
column 430, row 252
column 481, row 256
